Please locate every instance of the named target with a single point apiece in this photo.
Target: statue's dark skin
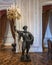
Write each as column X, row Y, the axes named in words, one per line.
column 27, row 40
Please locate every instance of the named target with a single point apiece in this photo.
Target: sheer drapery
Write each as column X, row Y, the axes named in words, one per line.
column 50, row 21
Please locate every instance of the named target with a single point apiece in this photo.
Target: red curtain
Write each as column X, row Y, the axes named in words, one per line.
column 3, row 22
column 45, row 18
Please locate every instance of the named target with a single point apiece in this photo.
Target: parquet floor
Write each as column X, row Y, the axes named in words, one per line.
column 7, row 57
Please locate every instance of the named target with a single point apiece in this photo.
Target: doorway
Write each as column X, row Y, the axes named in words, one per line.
column 46, row 27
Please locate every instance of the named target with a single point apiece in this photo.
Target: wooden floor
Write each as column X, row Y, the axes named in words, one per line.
column 7, row 57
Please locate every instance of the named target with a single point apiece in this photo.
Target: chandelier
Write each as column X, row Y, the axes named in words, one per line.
column 13, row 12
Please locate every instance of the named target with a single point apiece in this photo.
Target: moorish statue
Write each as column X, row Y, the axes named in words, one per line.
column 27, row 42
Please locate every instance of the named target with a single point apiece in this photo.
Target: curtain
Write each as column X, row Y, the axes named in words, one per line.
column 45, row 18
column 3, row 22
column 50, row 21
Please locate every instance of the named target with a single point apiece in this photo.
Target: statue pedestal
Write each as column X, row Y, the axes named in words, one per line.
column 25, row 58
